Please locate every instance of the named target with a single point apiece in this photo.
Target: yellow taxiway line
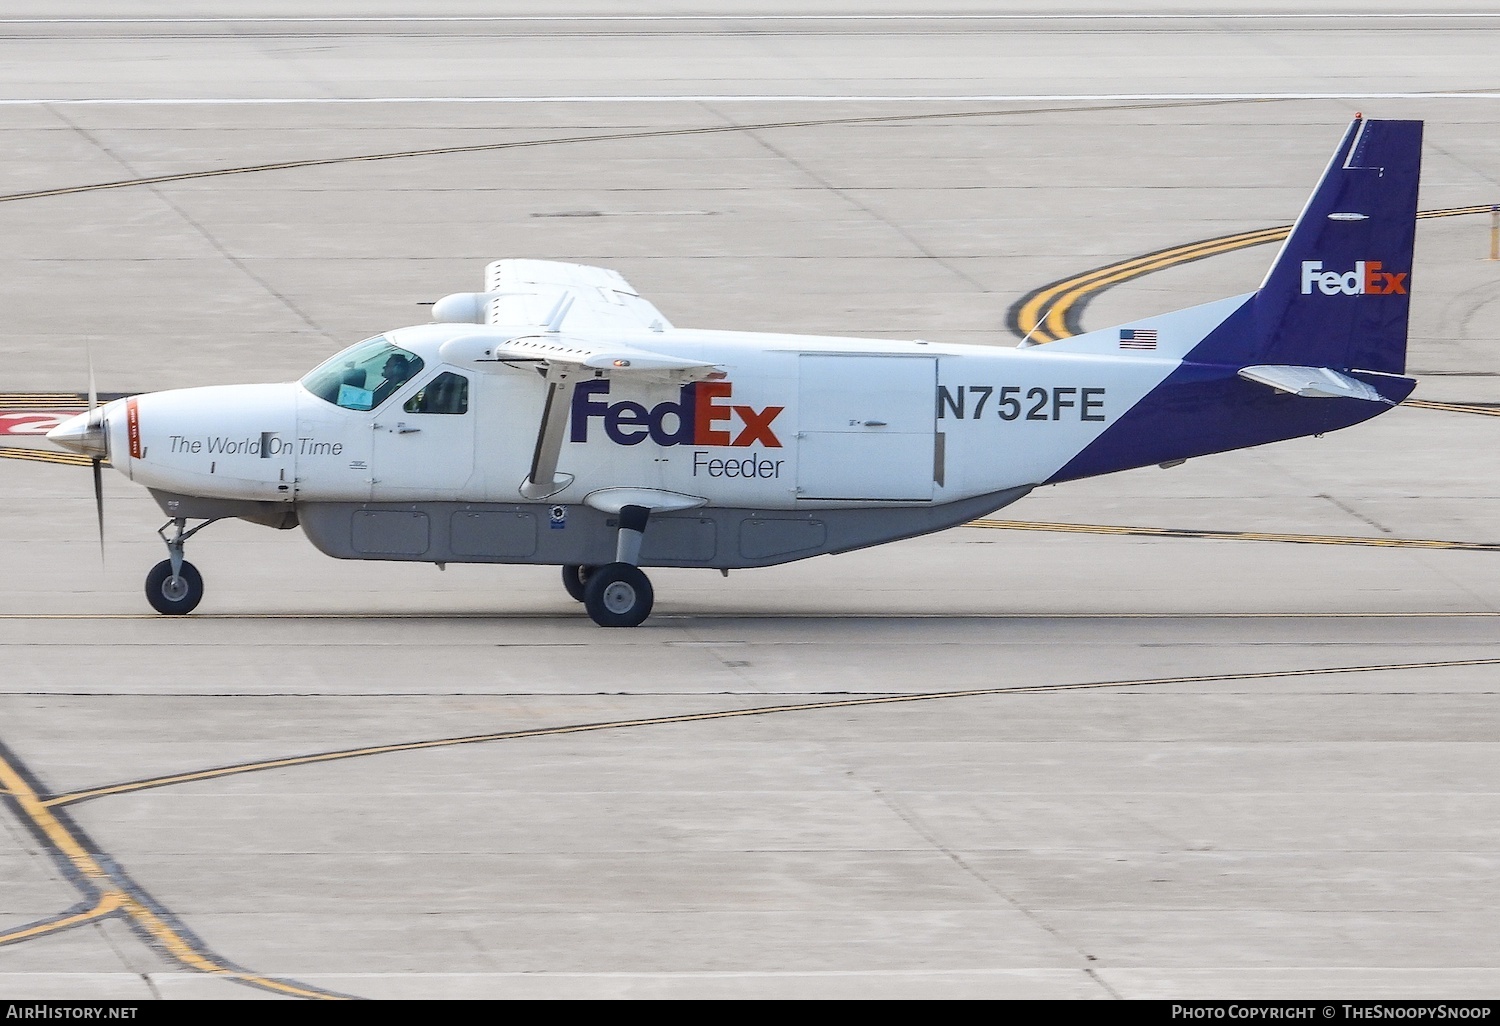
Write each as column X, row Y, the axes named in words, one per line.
column 113, row 897
column 1261, row 536
column 109, row 903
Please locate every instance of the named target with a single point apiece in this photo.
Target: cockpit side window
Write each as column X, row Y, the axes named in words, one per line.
column 446, row 393
column 363, row 376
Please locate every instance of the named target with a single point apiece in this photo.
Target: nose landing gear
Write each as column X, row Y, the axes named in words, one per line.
column 174, row 586
column 174, row 593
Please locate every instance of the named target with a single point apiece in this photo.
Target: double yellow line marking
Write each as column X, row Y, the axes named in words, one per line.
column 71, row 459
column 1051, row 312
column 43, row 401
column 1428, row 404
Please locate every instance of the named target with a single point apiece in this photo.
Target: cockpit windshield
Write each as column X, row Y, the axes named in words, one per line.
column 363, row 376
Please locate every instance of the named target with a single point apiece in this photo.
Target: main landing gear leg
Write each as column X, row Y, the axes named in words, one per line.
column 618, row 594
column 174, row 585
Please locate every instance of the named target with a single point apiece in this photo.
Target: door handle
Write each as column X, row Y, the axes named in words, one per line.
column 407, row 431
column 874, row 423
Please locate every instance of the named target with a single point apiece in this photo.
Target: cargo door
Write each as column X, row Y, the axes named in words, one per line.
column 866, row 427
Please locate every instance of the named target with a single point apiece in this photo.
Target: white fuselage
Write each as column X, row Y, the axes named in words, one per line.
column 794, row 422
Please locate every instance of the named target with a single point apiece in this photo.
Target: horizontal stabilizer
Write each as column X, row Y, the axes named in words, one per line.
column 1314, row 382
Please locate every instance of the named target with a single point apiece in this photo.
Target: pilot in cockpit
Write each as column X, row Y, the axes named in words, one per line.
column 396, row 372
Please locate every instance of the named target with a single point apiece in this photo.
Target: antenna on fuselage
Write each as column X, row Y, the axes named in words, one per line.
column 1026, row 342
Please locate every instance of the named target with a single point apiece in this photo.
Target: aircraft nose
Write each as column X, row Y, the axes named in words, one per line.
column 82, row 434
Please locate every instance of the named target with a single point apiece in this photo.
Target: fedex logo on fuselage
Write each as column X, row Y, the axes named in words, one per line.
column 700, row 416
column 1367, row 279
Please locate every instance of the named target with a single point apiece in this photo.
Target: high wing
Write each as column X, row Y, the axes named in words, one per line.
column 578, row 310
column 553, row 294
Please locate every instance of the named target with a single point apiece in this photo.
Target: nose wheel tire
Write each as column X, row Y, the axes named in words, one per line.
column 174, row 595
column 618, row 595
column 575, row 579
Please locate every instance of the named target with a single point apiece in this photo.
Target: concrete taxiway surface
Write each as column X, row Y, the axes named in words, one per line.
column 994, row 762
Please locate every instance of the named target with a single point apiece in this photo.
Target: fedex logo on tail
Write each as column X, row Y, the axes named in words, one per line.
column 1367, row 279
column 700, row 416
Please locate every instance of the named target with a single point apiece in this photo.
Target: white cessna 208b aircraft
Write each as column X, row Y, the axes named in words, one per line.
column 558, row 417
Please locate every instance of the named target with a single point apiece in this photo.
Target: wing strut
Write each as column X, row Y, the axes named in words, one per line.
column 544, row 480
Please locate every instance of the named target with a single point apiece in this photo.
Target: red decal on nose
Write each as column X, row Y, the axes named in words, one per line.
column 133, row 427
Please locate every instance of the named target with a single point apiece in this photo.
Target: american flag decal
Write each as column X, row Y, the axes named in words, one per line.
column 1137, row 338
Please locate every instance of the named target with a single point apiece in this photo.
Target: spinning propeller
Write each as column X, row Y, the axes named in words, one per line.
column 96, row 427
column 87, row 434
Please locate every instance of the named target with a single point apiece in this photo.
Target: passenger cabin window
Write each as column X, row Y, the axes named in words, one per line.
column 363, row 376
column 446, row 393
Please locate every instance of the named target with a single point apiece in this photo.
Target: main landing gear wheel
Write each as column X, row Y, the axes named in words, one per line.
column 618, row 595
column 575, row 579
column 174, row 595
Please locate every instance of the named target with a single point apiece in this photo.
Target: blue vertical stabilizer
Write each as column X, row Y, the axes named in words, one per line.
column 1339, row 291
